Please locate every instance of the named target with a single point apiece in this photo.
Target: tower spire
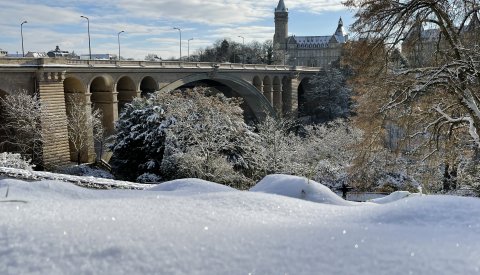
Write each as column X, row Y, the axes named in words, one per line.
column 340, row 31
column 281, row 7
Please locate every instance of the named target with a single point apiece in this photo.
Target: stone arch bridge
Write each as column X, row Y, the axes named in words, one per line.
column 109, row 85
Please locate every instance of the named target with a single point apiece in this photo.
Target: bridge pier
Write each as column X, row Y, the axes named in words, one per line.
column 277, row 97
column 107, row 103
column 56, row 149
column 290, row 96
column 267, row 90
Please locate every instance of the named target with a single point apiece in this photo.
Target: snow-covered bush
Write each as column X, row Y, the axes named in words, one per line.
column 23, row 128
column 329, row 96
column 85, row 170
column 321, row 152
column 11, row 160
column 148, row 178
column 178, row 134
column 139, row 140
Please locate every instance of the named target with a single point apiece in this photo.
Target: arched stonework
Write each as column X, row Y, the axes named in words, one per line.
column 254, row 99
column 257, row 82
column 75, row 90
column 104, row 98
column 126, row 91
column 286, row 95
column 302, row 100
column 267, row 88
column 277, row 95
column 148, row 85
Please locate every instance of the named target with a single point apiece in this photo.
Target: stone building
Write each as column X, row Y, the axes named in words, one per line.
column 312, row 51
column 423, row 47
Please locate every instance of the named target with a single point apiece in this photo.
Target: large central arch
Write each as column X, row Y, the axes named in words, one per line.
column 253, row 98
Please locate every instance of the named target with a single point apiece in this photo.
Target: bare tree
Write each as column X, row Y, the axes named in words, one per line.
column 449, row 88
column 435, row 99
column 84, row 127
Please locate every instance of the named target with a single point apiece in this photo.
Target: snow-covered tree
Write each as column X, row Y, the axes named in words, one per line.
column 179, row 134
column 11, row 160
column 208, row 137
column 24, row 129
column 329, row 96
column 139, row 140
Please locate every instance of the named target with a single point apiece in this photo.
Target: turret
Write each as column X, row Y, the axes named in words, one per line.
column 281, row 26
column 340, row 31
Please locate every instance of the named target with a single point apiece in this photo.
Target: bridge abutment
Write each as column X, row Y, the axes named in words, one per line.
column 56, row 149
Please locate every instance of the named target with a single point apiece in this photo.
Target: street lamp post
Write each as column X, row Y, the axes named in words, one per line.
column 119, row 44
column 21, row 33
column 180, row 31
column 243, row 47
column 189, row 48
column 88, row 29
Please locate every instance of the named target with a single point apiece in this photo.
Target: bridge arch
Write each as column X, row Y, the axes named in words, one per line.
column 303, row 87
column 252, row 97
column 76, row 96
column 126, row 91
column 104, row 98
column 286, row 95
column 257, row 82
column 267, row 88
column 277, row 95
column 3, row 93
column 148, row 85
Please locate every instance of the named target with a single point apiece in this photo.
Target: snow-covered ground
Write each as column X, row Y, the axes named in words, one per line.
column 197, row 227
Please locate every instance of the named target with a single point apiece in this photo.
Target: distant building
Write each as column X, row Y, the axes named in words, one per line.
column 422, row 46
column 58, row 53
column 313, row 51
column 105, row 56
column 36, row 54
column 3, row 53
column 14, row 55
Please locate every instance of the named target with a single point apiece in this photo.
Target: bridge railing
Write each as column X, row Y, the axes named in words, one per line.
column 152, row 64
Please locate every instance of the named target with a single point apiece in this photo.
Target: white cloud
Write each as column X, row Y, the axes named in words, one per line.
column 147, row 24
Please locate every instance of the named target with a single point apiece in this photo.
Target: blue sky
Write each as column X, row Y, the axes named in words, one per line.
column 148, row 23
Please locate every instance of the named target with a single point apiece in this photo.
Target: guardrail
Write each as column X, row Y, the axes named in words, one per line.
column 29, row 62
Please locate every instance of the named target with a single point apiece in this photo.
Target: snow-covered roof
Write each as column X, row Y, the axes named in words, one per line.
column 312, row 41
column 318, row 41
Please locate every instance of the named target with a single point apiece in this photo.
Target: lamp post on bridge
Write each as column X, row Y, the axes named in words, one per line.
column 21, row 33
column 119, row 44
column 243, row 47
column 88, row 29
column 180, row 31
column 189, row 48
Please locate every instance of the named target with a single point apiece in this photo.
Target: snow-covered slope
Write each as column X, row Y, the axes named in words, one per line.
column 300, row 188
column 64, row 229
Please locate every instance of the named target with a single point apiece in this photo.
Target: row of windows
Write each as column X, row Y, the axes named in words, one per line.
column 320, row 53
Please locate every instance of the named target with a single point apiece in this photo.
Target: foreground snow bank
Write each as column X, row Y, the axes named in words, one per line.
column 395, row 196
column 300, row 188
column 65, row 229
column 191, row 186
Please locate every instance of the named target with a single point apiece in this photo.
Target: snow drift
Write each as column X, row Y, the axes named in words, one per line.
column 300, row 188
column 65, row 229
column 191, row 186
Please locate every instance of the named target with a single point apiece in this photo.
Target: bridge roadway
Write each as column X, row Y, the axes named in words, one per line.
column 110, row 84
